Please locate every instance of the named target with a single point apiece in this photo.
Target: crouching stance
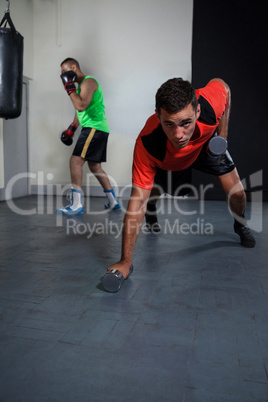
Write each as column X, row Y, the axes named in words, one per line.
column 174, row 141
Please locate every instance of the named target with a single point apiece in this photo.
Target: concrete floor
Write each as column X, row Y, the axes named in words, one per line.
column 191, row 324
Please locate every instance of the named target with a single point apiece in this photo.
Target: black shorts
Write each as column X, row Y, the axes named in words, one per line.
column 91, row 145
column 179, row 183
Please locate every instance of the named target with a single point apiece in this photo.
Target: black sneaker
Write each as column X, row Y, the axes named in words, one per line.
column 154, row 228
column 246, row 237
column 151, row 219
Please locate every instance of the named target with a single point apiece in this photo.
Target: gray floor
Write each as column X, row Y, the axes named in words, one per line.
column 191, row 324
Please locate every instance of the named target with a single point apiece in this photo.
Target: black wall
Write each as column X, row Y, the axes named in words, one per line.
column 230, row 42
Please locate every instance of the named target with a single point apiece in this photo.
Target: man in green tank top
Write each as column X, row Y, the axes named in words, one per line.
column 91, row 145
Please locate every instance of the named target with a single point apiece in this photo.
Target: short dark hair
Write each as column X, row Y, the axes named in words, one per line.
column 70, row 60
column 175, row 95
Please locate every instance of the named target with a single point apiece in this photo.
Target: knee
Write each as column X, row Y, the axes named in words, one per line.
column 76, row 161
column 238, row 196
column 95, row 168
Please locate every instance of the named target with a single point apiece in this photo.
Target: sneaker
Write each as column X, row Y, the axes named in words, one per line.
column 113, row 202
column 75, row 207
column 69, row 211
column 152, row 223
column 115, row 206
column 246, row 237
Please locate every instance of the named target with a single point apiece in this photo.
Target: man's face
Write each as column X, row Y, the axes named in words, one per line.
column 68, row 67
column 179, row 127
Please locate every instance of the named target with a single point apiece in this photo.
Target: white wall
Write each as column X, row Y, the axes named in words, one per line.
column 131, row 47
column 21, row 12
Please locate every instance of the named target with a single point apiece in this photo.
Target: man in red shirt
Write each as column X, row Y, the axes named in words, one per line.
column 173, row 141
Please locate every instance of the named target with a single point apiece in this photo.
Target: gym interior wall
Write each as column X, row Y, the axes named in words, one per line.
column 230, row 42
column 128, row 47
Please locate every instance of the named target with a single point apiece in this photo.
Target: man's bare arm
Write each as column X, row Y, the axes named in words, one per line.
column 132, row 224
column 81, row 102
column 224, row 122
column 76, row 121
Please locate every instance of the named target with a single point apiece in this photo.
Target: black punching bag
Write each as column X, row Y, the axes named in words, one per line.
column 11, row 69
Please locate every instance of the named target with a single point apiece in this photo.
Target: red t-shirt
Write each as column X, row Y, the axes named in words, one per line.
column 153, row 149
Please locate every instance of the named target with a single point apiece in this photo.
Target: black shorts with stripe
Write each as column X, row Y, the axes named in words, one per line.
column 91, row 145
column 178, row 183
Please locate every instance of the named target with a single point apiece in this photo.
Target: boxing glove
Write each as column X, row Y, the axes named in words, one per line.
column 67, row 135
column 68, row 79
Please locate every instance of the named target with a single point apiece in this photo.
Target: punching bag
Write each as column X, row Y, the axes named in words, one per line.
column 11, row 69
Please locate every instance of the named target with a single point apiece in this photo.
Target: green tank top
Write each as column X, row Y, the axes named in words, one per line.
column 94, row 115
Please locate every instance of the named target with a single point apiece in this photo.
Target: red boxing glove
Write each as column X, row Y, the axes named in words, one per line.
column 68, row 80
column 67, row 135
column 70, row 130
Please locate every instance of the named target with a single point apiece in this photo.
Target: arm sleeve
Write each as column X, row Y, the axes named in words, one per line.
column 143, row 168
column 215, row 94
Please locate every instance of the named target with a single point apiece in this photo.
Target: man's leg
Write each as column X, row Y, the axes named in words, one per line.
column 99, row 173
column 150, row 215
column 236, row 196
column 76, row 168
column 170, row 182
column 76, row 207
